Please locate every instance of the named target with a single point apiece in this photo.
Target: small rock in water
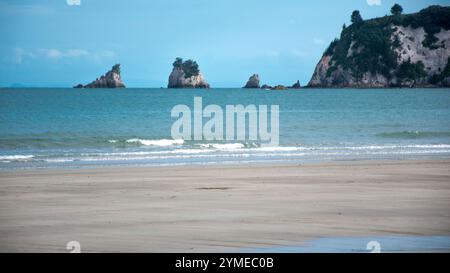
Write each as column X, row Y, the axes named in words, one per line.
column 110, row 80
column 253, row 82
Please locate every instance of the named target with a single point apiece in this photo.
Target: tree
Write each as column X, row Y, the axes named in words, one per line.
column 411, row 71
column 116, row 69
column 190, row 68
column 356, row 17
column 330, row 50
column 396, row 10
column 178, row 63
column 344, row 27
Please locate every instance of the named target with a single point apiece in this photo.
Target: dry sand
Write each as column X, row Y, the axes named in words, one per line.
column 220, row 208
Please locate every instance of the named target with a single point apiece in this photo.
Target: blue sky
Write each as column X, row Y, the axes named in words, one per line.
column 59, row 43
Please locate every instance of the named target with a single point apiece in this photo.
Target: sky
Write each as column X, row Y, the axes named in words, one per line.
column 60, row 43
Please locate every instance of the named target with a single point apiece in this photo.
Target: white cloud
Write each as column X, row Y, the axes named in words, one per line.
column 76, row 53
column 108, row 54
column 374, row 2
column 51, row 53
column 20, row 54
column 318, row 41
column 73, row 2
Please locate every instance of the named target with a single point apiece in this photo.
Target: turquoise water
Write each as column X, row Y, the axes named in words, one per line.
column 375, row 244
column 78, row 127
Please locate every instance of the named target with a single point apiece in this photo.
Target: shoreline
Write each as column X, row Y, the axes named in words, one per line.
column 221, row 208
column 226, row 164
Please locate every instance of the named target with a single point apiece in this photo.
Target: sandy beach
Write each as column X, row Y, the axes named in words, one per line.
column 220, row 208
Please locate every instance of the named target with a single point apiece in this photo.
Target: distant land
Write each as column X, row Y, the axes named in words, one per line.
column 400, row 50
column 254, row 82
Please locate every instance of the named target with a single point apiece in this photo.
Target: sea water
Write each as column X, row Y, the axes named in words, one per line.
column 41, row 128
column 372, row 244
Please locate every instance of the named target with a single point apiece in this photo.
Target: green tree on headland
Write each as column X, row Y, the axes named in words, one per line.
column 356, row 17
column 116, row 69
column 189, row 67
column 178, row 62
column 396, row 10
column 373, row 49
column 411, row 71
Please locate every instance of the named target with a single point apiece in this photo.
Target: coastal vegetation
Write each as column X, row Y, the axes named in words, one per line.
column 189, row 67
column 396, row 10
column 411, row 71
column 366, row 46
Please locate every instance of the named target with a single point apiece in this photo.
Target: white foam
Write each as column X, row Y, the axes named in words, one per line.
column 210, row 152
column 226, row 146
column 159, row 142
column 16, row 157
column 144, row 153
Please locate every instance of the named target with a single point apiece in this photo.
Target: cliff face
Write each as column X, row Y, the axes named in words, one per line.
column 412, row 48
column 110, row 80
column 341, row 77
column 404, row 50
column 186, row 75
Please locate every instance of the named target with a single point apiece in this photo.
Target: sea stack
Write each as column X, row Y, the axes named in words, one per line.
column 296, row 85
column 410, row 50
column 279, row 87
column 111, row 79
column 253, row 82
column 186, row 75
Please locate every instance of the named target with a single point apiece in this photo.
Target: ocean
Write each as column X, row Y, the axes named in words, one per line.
column 53, row 128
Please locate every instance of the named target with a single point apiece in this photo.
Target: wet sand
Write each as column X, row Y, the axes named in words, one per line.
column 220, row 208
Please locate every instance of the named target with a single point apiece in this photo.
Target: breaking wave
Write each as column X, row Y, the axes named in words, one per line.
column 159, row 142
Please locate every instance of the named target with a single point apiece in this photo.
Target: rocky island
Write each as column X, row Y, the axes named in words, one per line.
column 410, row 50
column 253, row 82
column 296, row 85
column 186, row 75
column 111, row 79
